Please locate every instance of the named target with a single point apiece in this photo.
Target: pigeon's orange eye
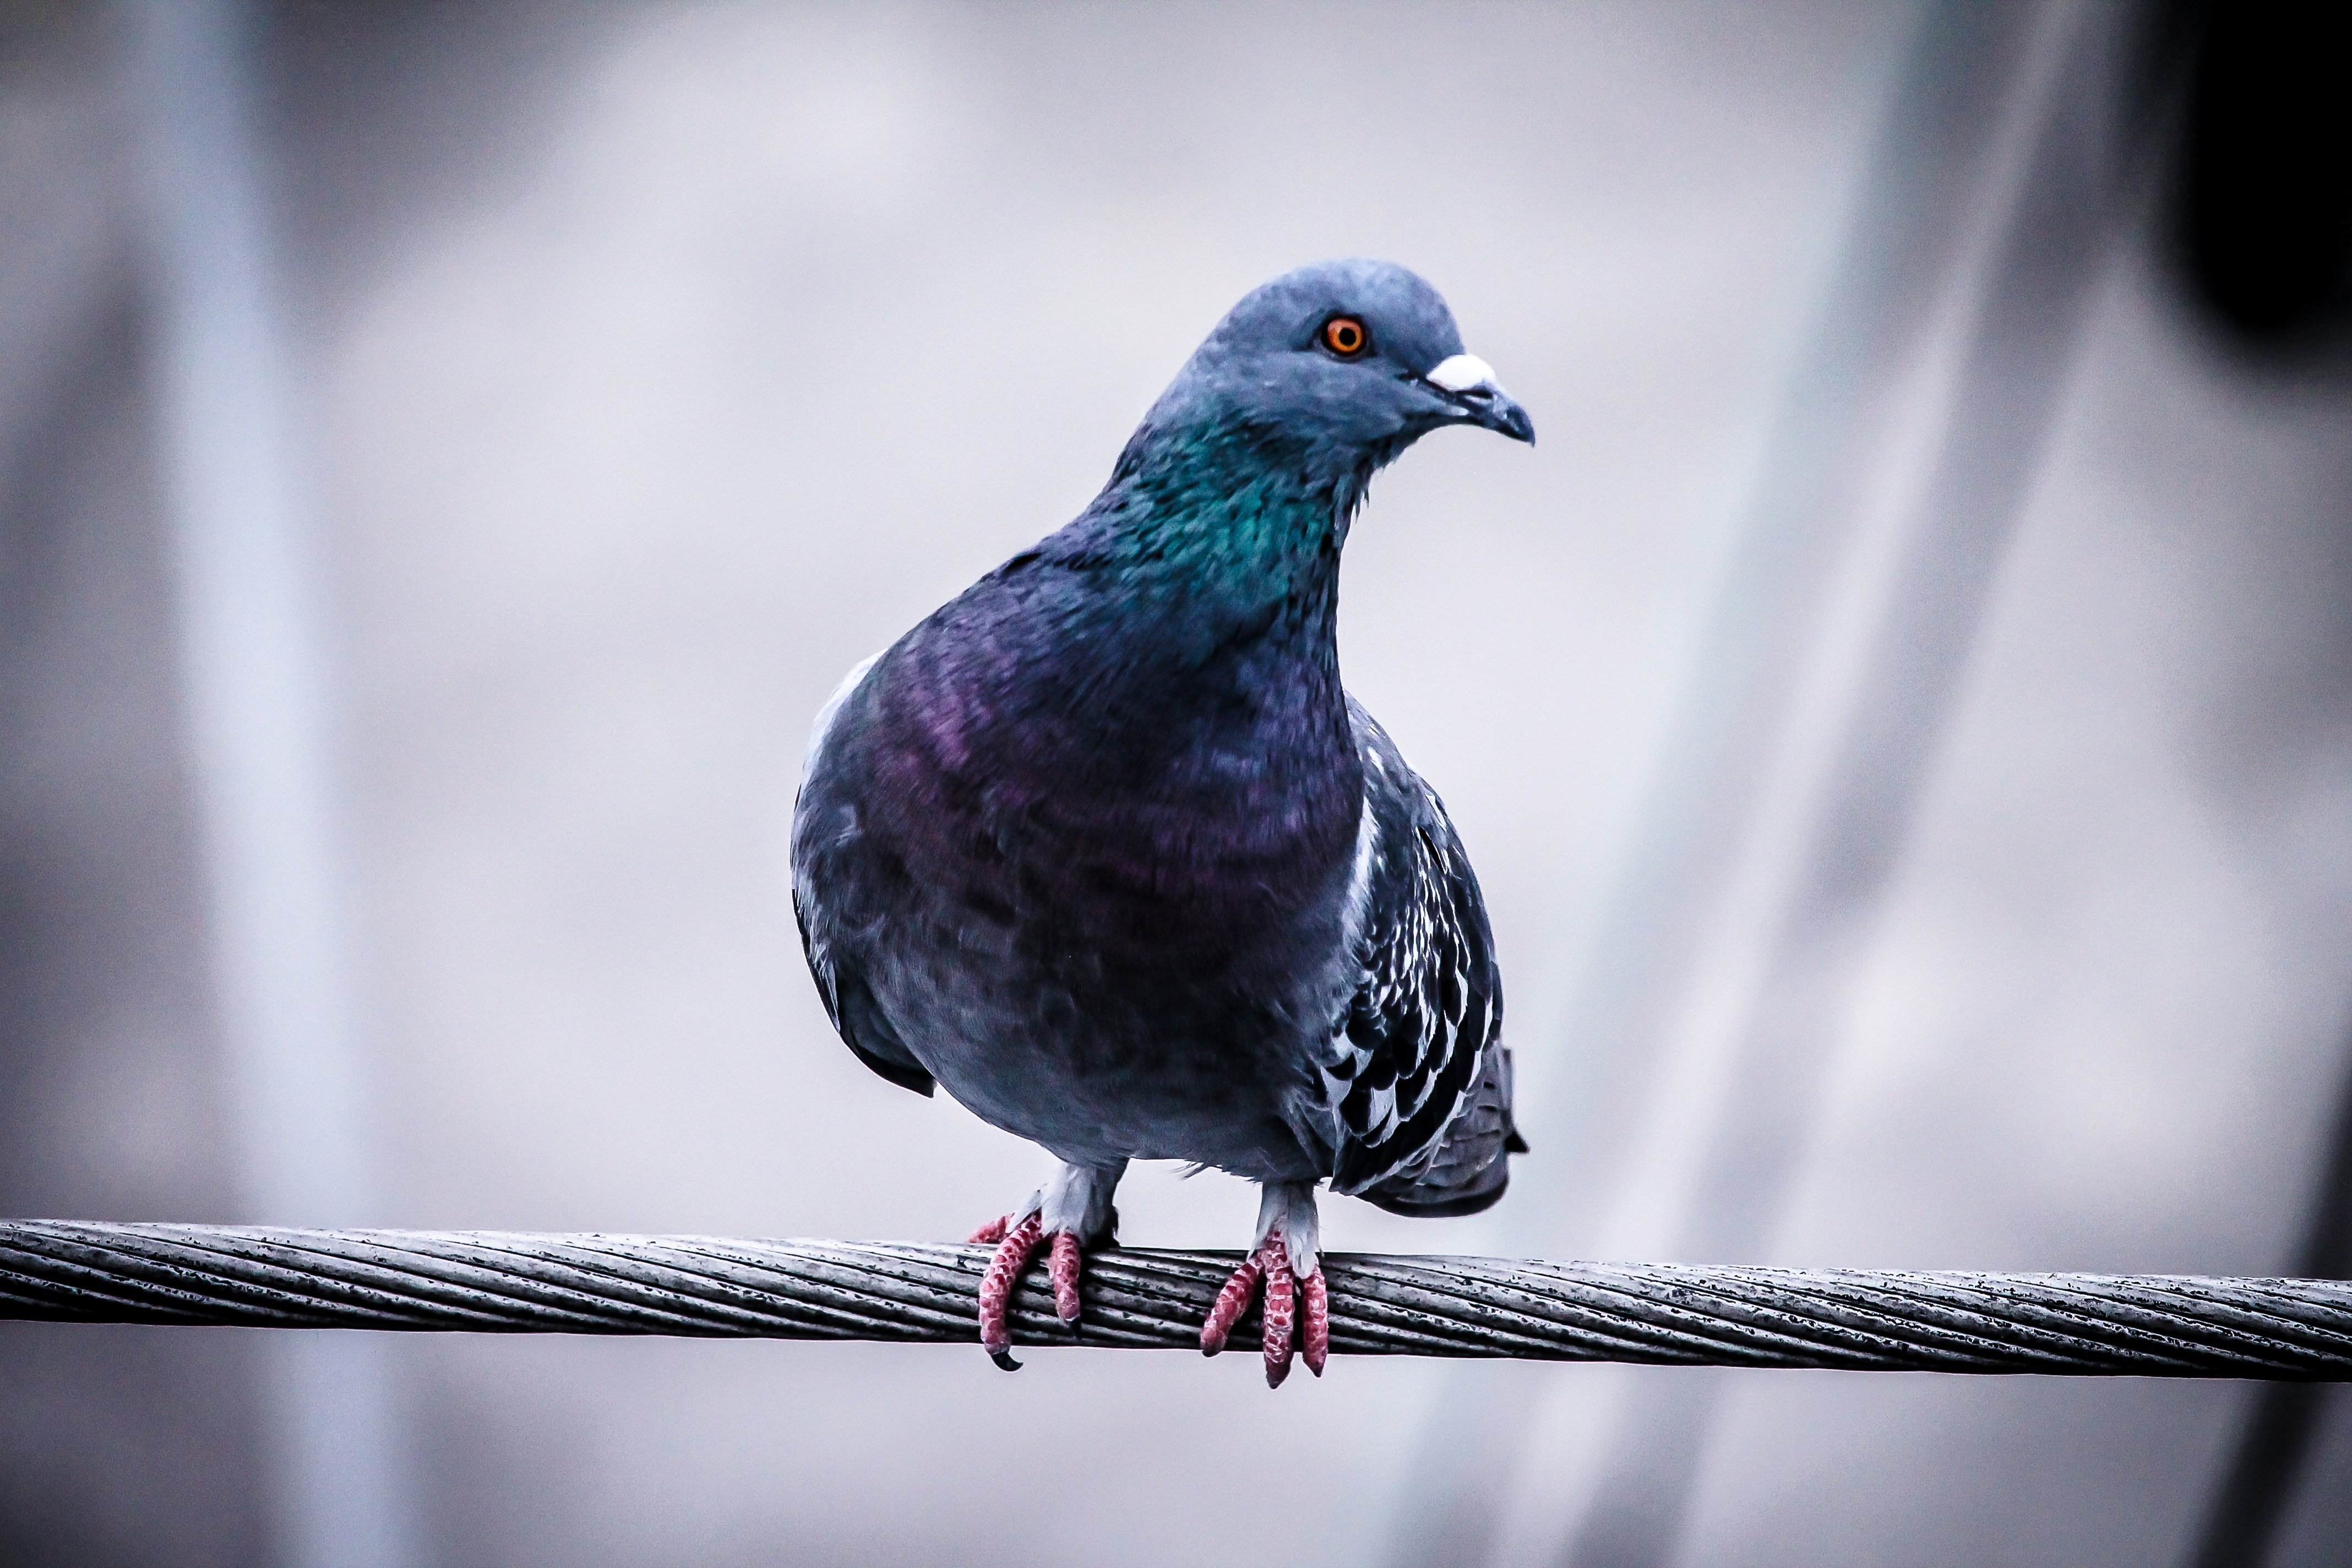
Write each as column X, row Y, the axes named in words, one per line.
column 1346, row 336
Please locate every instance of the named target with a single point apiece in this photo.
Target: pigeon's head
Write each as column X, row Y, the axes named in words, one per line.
column 1344, row 364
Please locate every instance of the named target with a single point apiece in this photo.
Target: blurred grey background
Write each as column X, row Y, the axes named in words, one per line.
column 1902, row 715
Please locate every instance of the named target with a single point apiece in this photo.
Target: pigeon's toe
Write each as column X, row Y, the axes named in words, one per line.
column 1014, row 1248
column 1063, row 1272
column 1072, row 1212
column 1288, row 1269
column 1297, row 1310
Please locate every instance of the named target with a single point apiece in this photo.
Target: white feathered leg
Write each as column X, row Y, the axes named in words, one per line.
column 1286, row 1258
column 1075, row 1210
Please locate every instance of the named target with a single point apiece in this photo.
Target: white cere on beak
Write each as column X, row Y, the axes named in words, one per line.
column 1461, row 373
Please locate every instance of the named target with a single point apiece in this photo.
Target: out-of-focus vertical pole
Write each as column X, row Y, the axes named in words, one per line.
column 2062, row 180
column 2016, row 287
column 260, row 742
column 1818, row 693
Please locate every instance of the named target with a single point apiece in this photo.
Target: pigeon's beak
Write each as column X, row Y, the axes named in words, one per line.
column 1468, row 382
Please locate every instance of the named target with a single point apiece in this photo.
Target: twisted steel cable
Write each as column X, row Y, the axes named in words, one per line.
column 1689, row 1314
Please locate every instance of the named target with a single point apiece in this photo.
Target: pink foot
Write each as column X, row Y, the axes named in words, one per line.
column 1016, row 1244
column 1270, row 1265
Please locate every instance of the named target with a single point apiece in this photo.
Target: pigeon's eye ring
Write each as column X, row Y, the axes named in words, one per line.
column 1347, row 337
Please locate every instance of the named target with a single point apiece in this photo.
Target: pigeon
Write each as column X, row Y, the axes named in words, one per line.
column 1104, row 847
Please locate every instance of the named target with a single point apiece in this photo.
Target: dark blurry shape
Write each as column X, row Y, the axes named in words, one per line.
column 2281, row 1429
column 2265, row 207
column 2265, row 199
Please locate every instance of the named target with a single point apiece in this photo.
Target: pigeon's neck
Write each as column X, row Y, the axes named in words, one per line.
column 1235, row 520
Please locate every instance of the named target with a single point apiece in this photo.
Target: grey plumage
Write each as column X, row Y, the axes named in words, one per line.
column 1104, row 847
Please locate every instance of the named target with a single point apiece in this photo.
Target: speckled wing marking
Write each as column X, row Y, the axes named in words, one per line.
column 1419, row 1079
column 824, row 824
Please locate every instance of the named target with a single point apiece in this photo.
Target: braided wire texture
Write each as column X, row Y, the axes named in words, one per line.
column 1687, row 1314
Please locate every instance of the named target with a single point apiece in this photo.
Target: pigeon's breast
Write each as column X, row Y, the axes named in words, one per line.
column 1104, row 902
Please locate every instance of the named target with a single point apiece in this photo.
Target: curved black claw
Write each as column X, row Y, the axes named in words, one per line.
column 1005, row 1359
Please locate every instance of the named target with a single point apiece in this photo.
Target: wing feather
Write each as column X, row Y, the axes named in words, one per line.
column 1418, row 1077
column 824, row 823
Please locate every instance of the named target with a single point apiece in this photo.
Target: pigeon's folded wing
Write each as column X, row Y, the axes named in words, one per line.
column 824, row 821
column 1420, row 1080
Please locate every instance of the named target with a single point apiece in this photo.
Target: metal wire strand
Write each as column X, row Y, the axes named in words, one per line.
column 1687, row 1314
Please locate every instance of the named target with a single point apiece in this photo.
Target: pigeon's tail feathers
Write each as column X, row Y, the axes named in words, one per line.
column 1415, row 1201
column 1469, row 1170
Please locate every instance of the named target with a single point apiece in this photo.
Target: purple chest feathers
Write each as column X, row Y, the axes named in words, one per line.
column 1120, row 819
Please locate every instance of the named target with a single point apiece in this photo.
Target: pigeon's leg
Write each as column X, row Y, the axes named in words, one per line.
column 1285, row 1258
column 1073, row 1210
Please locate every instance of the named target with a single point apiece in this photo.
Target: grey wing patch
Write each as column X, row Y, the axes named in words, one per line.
column 824, row 842
column 1419, row 1081
column 856, row 1018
